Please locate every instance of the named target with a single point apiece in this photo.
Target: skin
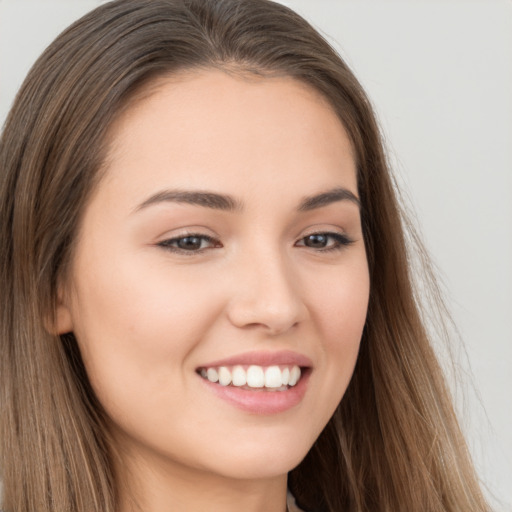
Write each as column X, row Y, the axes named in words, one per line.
column 146, row 317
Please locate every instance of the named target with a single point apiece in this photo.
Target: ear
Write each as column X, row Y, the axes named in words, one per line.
column 62, row 321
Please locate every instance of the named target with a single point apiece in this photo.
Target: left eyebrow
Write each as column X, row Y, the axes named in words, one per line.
column 194, row 197
column 327, row 198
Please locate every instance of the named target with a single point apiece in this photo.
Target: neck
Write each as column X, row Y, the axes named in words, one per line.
column 161, row 486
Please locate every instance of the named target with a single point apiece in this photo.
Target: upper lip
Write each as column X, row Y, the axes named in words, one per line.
column 263, row 358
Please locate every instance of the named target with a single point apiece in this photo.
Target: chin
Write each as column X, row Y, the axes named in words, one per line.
column 261, row 460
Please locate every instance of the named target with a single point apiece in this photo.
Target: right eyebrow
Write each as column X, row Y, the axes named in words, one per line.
column 196, row 197
column 327, row 198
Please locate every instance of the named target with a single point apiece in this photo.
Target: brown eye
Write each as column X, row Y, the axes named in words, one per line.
column 318, row 241
column 325, row 241
column 189, row 243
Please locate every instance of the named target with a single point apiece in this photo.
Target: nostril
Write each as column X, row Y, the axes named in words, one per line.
column 269, row 297
column 275, row 319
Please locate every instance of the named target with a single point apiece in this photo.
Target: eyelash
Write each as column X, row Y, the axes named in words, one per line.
column 340, row 242
column 168, row 244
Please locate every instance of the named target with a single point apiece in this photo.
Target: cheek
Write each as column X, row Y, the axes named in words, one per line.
column 346, row 318
column 340, row 315
column 136, row 326
column 340, row 306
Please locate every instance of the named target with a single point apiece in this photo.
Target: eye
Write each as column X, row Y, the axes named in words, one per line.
column 325, row 241
column 189, row 243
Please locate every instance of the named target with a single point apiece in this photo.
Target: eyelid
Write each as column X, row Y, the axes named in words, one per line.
column 342, row 240
column 166, row 243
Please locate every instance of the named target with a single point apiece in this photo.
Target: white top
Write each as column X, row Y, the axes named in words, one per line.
column 290, row 503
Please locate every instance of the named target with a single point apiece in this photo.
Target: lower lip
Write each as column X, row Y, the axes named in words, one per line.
column 261, row 401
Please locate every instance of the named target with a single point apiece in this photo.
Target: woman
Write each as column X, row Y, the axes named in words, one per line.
column 207, row 298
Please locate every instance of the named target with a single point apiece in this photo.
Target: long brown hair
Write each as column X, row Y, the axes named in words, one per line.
column 393, row 443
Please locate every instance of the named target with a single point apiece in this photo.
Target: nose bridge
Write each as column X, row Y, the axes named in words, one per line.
column 266, row 291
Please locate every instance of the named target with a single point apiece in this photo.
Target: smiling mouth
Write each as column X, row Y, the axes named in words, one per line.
column 254, row 377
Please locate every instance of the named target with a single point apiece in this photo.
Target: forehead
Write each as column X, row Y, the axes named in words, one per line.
column 202, row 125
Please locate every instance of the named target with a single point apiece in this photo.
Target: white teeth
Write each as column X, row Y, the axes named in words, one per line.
column 212, row 375
column 255, row 377
column 271, row 377
column 239, row 376
column 285, row 376
column 294, row 376
column 224, row 376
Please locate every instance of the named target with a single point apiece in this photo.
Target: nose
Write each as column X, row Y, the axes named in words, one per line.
column 266, row 294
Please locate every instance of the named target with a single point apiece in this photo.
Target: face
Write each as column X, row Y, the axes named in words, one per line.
column 223, row 242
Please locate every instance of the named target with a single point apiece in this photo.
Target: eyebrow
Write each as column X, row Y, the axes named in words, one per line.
column 228, row 203
column 326, row 198
column 197, row 198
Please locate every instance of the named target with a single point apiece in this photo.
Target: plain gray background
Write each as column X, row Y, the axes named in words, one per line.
column 440, row 76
